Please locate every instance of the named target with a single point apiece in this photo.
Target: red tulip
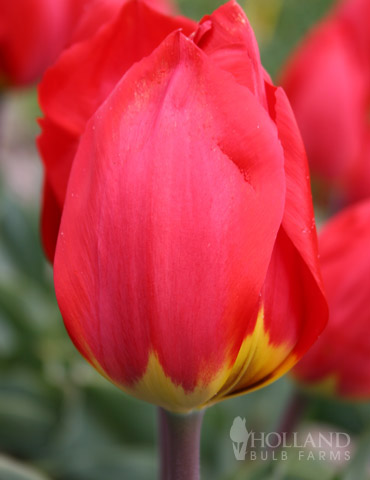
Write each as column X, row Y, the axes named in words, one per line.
column 32, row 34
column 340, row 359
column 186, row 266
column 328, row 84
column 100, row 12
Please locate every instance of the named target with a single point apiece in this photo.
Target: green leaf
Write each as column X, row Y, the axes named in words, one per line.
column 359, row 467
column 83, row 448
column 20, row 239
column 28, row 414
column 126, row 418
column 14, row 470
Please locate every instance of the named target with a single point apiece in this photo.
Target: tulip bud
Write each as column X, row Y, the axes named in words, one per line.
column 339, row 361
column 186, row 265
column 327, row 81
column 32, row 34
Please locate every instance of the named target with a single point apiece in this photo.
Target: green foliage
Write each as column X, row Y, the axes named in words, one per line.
column 12, row 470
column 295, row 20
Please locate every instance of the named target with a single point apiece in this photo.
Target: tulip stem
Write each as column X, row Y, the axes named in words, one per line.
column 179, row 444
column 1, row 116
column 293, row 413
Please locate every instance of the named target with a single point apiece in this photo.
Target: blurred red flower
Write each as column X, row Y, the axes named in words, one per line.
column 340, row 359
column 34, row 32
column 186, row 265
column 327, row 81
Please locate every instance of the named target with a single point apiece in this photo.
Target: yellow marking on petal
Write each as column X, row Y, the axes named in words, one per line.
column 287, row 365
column 245, row 356
column 156, row 387
column 259, row 362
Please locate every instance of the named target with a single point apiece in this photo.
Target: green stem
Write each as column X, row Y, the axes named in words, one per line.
column 163, row 444
column 293, row 413
column 179, row 445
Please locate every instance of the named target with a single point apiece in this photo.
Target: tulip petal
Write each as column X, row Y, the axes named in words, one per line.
column 132, row 35
column 228, row 39
column 299, row 222
column 257, row 361
column 27, row 48
column 355, row 16
column 340, row 358
column 327, row 89
column 100, row 12
column 173, row 207
column 58, row 147
column 50, row 219
column 356, row 184
column 293, row 307
column 91, row 19
column 67, row 105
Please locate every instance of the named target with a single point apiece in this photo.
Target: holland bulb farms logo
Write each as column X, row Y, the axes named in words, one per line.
column 249, row 445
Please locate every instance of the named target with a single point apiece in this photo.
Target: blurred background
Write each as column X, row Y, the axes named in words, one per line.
column 58, row 418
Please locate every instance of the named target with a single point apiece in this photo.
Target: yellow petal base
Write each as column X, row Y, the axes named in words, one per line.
column 258, row 363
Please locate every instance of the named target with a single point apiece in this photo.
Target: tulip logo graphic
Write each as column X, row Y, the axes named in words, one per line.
column 239, row 436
